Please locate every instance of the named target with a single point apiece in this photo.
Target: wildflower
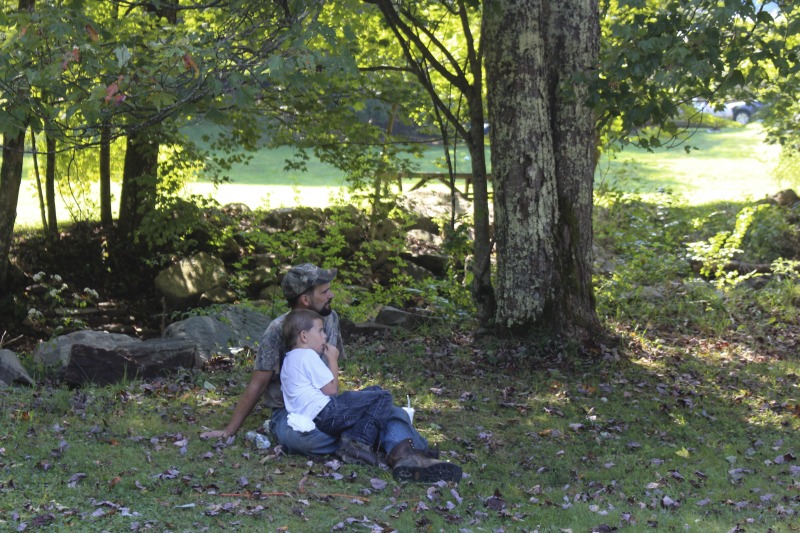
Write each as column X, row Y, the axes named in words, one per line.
column 91, row 292
column 38, row 276
column 53, row 293
column 35, row 314
column 56, row 278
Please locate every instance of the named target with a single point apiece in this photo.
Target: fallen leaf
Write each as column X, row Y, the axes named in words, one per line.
column 495, row 502
column 74, row 479
column 669, row 503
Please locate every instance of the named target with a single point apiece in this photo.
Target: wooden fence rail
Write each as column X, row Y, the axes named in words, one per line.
column 423, row 178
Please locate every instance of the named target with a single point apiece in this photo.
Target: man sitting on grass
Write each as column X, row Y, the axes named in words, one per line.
column 307, row 286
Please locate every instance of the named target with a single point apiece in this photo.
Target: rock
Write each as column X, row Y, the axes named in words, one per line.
column 182, row 283
column 424, row 223
column 433, row 263
column 410, row 266
column 233, row 327
column 12, row 371
column 351, row 331
column 385, row 230
column 55, row 352
column 237, row 210
column 293, row 218
column 435, row 204
column 263, row 276
column 785, row 198
column 421, row 235
column 647, row 293
column 147, row 359
column 424, row 249
column 216, row 296
column 264, row 260
column 350, row 223
column 604, row 262
column 230, row 250
column 391, row 316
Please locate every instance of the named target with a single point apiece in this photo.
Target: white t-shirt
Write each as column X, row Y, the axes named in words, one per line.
column 271, row 348
column 303, row 374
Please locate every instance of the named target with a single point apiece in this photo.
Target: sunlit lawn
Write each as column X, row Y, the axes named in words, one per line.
column 728, row 164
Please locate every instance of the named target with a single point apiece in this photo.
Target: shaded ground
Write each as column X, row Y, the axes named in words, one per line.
column 82, row 258
column 682, row 433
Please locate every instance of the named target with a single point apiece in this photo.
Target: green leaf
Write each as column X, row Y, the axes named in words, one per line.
column 765, row 17
column 123, row 55
column 736, row 78
column 215, row 115
column 161, row 99
column 275, row 65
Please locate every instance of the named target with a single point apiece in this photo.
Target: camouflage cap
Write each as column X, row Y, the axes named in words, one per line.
column 302, row 277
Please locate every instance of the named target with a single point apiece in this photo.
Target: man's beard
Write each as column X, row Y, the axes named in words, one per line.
column 325, row 310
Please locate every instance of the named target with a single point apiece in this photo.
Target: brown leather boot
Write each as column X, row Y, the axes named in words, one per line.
column 354, row 452
column 408, row 464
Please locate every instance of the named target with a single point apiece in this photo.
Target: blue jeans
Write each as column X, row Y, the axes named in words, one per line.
column 356, row 415
column 316, row 443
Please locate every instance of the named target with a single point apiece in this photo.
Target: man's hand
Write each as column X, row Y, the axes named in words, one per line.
column 215, row 434
column 255, row 390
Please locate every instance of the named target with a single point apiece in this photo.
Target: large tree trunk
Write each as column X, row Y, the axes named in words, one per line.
column 10, row 182
column 139, row 182
column 543, row 138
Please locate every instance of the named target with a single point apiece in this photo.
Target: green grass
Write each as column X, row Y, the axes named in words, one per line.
column 685, row 436
column 731, row 164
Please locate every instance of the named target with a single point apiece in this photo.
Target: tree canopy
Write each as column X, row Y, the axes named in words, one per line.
column 305, row 73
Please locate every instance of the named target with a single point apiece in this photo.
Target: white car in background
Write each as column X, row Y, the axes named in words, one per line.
column 738, row 111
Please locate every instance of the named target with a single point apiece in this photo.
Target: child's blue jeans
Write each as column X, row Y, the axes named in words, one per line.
column 358, row 415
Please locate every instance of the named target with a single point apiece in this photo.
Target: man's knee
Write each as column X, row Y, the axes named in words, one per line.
column 312, row 443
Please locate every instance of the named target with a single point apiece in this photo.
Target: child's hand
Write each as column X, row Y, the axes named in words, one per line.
column 330, row 352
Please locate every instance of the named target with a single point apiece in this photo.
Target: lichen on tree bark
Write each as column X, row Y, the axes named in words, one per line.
column 543, row 142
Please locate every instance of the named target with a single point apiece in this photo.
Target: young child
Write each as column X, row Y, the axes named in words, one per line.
column 311, row 388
